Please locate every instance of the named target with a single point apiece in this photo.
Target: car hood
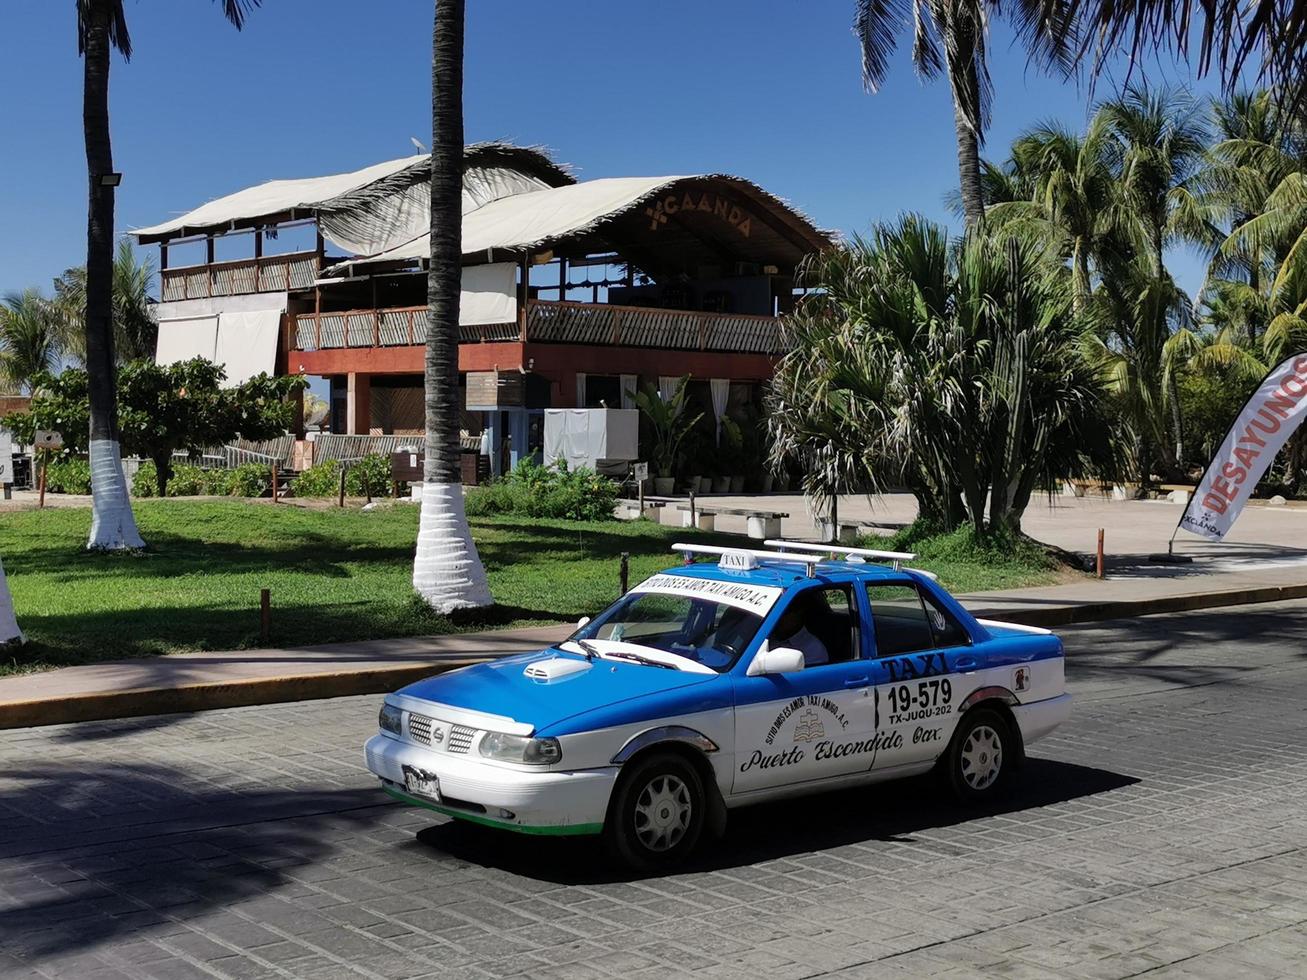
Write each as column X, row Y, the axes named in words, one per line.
column 501, row 687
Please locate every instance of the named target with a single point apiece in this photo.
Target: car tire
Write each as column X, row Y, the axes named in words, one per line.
column 657, row 812
column 981, row 756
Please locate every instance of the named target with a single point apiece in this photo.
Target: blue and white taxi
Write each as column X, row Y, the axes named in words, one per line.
column 721, row 683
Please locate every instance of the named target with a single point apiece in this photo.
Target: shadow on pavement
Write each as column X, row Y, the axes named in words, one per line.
column 76, row 874
column 887, row 812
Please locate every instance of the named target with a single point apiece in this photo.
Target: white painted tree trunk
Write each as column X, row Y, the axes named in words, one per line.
column 113, row 526
column 447, row 570
column 9, row 631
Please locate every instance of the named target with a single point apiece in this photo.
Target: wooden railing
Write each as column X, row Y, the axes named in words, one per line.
column 635, row 326
column 550, row 322
column 267, row 274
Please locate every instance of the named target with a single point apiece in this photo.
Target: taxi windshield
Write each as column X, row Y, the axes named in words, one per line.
column 696, row 628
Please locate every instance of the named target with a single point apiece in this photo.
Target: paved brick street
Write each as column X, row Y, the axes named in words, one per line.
column 1162, row 832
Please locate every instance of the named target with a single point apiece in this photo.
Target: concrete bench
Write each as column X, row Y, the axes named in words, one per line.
column 630, row 509
column 759, row 523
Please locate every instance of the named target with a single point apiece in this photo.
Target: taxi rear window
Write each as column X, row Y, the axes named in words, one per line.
column 906, row 620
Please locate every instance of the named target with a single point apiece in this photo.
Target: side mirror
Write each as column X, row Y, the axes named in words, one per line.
column 780, row 660
column 583, row 622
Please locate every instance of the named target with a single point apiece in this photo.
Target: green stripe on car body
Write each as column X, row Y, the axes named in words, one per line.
column 569, row 830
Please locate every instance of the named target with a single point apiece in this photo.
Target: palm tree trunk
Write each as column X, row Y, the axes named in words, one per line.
column 447, row 570
column 965, row 84
column 112, row 524
column 9, row 631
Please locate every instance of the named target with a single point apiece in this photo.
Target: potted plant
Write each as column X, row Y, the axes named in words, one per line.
column 670, row 424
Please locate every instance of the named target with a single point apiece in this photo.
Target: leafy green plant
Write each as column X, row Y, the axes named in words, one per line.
column 668, row 420
column 319, row 480
column 368, row 477
column 68, row 474
column 246, row 480
column 163, row 408
column 531, row 490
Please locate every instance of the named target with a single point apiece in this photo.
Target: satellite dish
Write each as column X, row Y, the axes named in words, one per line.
column 418, row 143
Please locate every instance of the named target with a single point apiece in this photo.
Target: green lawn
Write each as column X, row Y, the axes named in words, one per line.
column 334, row 575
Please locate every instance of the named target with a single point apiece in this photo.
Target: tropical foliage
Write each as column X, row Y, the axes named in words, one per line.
column 163, row 409
column 531, row 490
column 31, row 339
column 951, row 368
column 669, row 422
column 135, row 329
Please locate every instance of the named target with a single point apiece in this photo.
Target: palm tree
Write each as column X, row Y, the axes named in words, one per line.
column 447, row 570
column 30, row 338
column 102, row 27
column 1231, row 33
column 951, row 37
column 952, row 368
column 1066, row 196
column 135, row 330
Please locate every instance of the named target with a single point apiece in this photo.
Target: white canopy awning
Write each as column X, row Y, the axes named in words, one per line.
column 244, row 343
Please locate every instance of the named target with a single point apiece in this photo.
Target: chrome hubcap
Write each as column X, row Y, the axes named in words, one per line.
column 662, row 813
column 982, row 757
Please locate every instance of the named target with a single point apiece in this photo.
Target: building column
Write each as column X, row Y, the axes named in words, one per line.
column 496, row 439
column 358, row 404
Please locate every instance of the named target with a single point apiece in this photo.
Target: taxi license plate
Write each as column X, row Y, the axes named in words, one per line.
column 418, row 782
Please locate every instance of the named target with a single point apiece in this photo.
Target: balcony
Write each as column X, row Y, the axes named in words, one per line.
column 267, row 274
column 552, row 322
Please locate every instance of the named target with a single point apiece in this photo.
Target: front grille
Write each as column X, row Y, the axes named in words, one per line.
column 460, row 738
column 419, row 728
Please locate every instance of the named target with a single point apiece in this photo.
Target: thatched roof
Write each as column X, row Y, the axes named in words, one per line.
column 491, row 167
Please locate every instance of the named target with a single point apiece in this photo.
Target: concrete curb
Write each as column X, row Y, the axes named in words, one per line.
column 101, row 706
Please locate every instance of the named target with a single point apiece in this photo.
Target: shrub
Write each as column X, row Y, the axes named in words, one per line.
column 68, row 474
column 368, row 477
column 247, row 480
column 319, row 480
column 537, row 491
column 145, row 483
column 188, row 481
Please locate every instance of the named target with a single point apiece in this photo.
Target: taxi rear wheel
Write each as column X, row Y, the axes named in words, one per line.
column 981, row 756
column 657, row 812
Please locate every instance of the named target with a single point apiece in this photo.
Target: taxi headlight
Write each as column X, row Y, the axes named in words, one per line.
column 518, row 748
column 390, row 718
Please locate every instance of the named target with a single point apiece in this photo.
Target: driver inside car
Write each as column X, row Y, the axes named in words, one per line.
column 792, row 629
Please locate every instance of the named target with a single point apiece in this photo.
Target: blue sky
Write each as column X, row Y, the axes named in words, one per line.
column 768, row 89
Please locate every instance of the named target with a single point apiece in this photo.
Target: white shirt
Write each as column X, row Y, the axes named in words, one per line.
column 814, row 651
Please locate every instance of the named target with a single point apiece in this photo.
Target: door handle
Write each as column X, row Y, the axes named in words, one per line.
column 965, row 663
column 858, row 681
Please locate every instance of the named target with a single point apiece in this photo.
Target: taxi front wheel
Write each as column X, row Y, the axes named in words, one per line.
column 657, row 812
column 981, row 756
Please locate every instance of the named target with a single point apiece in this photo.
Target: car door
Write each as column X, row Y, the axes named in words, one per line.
column 811, row 724
column 920, row 650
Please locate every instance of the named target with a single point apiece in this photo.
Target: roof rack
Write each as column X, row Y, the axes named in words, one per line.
column 895, row 558
column 742, row 559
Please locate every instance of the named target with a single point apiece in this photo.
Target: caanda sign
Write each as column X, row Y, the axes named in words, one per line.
column 1270, row 416
column 714, row 204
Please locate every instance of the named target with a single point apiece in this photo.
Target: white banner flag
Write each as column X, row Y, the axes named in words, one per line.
column 1267, row 420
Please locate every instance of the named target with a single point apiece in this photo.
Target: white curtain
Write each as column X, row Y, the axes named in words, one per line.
column 186, row 337
column 580, row 390
column 721, row 393
column 489, row 294
column 247, row 344
column 667, row 387
column 630, row 382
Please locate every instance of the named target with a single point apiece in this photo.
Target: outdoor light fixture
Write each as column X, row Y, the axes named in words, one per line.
column 110, row 180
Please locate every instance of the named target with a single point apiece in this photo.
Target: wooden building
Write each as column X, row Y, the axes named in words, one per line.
column 574, row 292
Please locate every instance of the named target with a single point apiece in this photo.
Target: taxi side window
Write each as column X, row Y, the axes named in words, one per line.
column 908, row 620
column 900, row 620
column 822, row 622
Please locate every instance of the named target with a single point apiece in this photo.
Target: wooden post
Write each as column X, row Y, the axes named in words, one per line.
column 1099, row 565
column 639, row 488
column 834, row 519
column 41, row 479
column 274, row 481
column 694, row 523
column 265, row 616
column 625, row 571
column 342, row 486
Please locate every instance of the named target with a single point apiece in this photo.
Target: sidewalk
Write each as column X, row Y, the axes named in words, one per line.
column 199, row 681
